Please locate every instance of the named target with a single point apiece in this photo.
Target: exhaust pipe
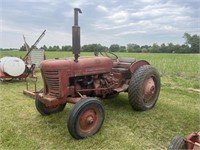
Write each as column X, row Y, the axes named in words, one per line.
column 76, row 35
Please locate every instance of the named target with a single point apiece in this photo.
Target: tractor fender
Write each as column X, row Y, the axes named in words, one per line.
column 138, row 64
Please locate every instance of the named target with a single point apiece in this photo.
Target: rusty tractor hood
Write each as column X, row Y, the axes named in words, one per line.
column 84, row 66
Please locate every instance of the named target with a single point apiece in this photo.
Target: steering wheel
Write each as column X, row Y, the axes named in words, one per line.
column 110, row 55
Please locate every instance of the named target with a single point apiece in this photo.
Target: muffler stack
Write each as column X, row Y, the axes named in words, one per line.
column 76, row 35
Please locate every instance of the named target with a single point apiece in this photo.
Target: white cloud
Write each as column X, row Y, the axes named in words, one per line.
column 76, row 4
column 103, row 26
column 42, row 9
column 79, row 3
column 102, row 8
column 68, row 13
column 160, row 10
column 118, row 17
column 130, row 33
column 149, row 1
column 49, row 2
column 57, row 38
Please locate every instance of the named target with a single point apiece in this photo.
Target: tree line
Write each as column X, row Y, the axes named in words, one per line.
column 191, row 45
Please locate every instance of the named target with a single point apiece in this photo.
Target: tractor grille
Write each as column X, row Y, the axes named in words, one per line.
column 52, row 81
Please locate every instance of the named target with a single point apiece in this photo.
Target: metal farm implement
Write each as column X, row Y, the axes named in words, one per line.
column 16, row 68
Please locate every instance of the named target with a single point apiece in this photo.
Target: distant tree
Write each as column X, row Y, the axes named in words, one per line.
column 130, row 48
column 86, row 48
column 44, row 47
column 193, row 42
column 170, row 48
column 22, row 48
column 155, row 48
column 66, row 48
column 177, row 48
column 122, row 48
column 103, row 49
column 163, row 48
column 185, row 48
column 133, row 48
column 114, row 48
column 145, row 48
column 50, row 48
column 93, row 48
column 56, row 48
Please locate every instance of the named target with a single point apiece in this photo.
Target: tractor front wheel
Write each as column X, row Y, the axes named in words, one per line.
column 144, row 88
column 44, row 110
column 86, row 118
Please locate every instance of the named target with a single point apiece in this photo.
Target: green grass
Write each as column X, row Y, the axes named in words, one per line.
column 176, row 112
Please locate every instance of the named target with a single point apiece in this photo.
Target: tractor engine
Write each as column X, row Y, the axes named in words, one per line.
column 91, row 76
column 100, row 85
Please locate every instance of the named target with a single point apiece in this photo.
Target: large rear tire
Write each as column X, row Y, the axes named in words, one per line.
column 86, row 118
column 177, row 143
column 144, row 88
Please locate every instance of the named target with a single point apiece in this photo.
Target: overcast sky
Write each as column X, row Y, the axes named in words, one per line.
column 107, row 22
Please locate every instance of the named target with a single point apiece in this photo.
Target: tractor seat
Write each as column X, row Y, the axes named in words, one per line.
column 127, row 60
column 123, row 61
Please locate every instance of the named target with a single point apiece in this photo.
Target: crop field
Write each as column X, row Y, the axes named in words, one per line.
column 176, row 112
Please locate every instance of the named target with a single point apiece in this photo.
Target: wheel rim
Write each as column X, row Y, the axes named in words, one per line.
column 149, row 90
column 89, row 120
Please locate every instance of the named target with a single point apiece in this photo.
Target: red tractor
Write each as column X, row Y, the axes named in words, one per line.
column 80, row 80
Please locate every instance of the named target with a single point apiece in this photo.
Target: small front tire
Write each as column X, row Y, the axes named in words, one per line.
column 44, row 110
column 86, row 118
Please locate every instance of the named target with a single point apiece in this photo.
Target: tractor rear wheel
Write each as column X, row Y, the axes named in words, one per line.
column 86, row 118
column 144, row 88
column 44, row 110
column 177, row 143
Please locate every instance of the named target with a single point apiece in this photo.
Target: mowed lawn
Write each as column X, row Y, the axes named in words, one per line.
column 176, row 112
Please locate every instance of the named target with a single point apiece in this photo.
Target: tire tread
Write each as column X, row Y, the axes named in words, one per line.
column 134, row 92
